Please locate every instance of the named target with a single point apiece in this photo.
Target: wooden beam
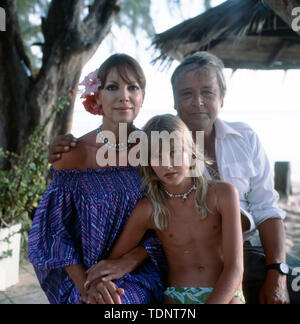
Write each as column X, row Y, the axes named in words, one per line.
column 276, row 54
column 284, row 9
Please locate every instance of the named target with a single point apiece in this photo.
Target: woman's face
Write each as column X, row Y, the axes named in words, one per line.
column 121, row 101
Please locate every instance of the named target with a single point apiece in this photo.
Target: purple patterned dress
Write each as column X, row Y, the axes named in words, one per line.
column 78, row 220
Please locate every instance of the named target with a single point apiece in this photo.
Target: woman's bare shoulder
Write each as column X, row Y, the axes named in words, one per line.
column 77, row 156
column 74, row 159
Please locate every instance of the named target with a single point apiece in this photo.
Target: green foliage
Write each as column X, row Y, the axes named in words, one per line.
column 23, row 183
column 6, row 254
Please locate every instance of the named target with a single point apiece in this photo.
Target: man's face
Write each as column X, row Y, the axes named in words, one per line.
column 198, row 98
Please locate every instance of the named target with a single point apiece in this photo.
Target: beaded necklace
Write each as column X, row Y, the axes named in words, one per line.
column 183, row 196
column 123, row 146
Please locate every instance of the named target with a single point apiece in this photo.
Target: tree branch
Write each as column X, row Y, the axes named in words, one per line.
column 63, row 24
column 100, row 15
column 63, row 18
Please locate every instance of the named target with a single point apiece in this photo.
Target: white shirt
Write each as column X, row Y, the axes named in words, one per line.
column 242, row 162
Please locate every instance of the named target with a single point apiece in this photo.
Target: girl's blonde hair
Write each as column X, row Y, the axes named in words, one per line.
column 152, row 184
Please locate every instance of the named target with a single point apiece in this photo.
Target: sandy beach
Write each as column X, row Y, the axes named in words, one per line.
column 292, row 222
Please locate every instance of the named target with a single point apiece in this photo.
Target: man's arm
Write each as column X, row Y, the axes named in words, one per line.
column 272, row 236
column 263, row 199
column 269, row 221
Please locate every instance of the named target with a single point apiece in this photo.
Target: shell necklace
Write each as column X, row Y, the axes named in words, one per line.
column 183, row 196
column 123, row 146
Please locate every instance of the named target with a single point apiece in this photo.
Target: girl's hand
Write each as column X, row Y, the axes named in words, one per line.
column 108, row 270
column 103, row 292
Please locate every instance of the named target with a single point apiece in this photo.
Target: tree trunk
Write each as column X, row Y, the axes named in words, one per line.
column 283, row 9
column 70, row 41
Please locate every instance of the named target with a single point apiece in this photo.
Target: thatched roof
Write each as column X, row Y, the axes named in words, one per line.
column 243, row 33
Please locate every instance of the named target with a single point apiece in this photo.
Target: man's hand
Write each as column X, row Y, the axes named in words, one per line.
column 61, row 144
column 274, row 290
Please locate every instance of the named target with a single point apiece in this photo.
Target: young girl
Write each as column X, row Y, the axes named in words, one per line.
column 197, row 222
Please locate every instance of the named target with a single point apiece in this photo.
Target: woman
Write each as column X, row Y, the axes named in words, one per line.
column 90, row 198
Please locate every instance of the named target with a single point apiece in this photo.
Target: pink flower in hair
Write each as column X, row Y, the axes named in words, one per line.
column 91, row 85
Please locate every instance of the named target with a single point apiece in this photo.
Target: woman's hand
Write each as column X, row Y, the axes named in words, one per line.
column 100, row 276
column 61, row 144
column 103, row 292
column 108, row 270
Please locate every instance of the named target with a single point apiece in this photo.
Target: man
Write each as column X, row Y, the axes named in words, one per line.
column 199, row 89
column 237, row 157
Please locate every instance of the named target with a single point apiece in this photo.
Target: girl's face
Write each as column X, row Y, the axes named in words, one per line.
column 121, row 101
column 167, row 169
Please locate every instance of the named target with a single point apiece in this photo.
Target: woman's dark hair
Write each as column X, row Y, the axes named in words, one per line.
column 122, row 63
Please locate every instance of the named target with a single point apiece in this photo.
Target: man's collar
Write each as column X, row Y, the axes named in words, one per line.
column 223, row 129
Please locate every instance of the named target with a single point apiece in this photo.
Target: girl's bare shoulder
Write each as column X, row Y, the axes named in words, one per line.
column 144, row 209
column 226, row 189
column 145, row 205
column 219, row 191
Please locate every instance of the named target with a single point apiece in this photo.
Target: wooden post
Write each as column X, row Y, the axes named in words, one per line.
column 283, row 182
